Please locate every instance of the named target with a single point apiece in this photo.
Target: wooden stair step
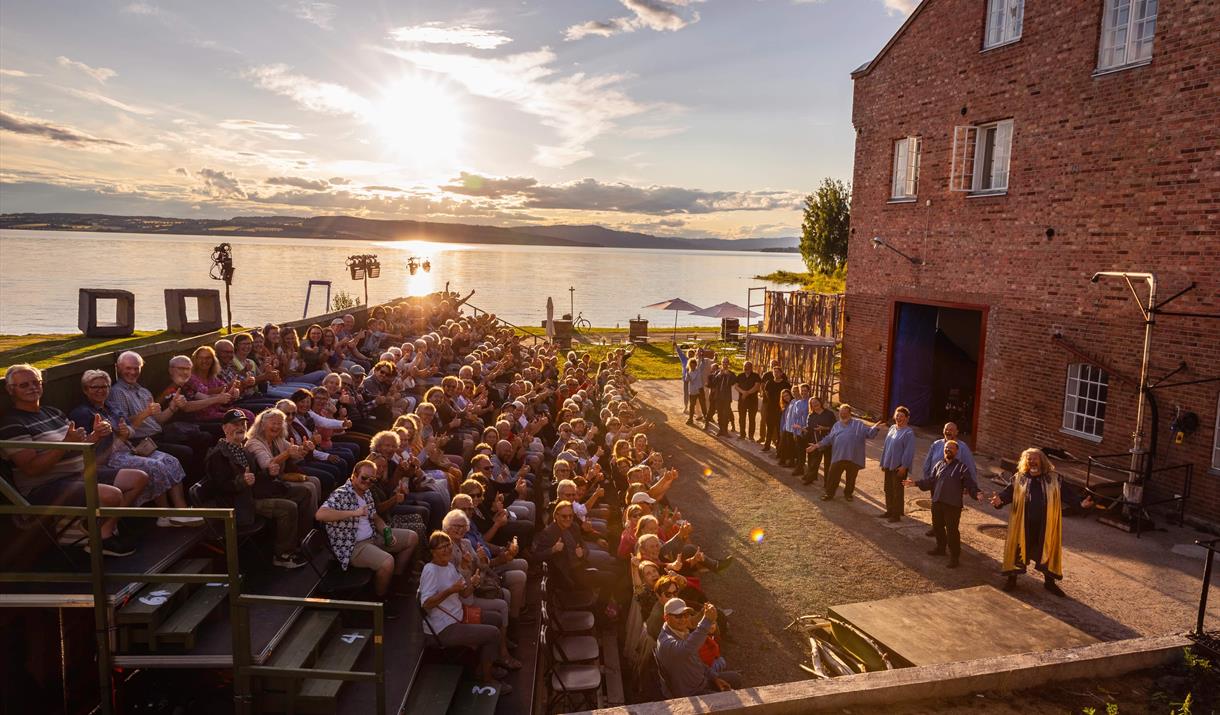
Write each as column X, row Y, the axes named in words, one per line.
column 340, row 653
column 181, row 625
column 155, row 600
column 474, row 698
column 301, row 646
column 433, row 689
column 612, row 677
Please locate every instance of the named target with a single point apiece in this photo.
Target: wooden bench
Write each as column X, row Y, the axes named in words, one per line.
column 433, row 690
column 145, row 612
column 299, row 650
column 341, row 653
column 181, row 626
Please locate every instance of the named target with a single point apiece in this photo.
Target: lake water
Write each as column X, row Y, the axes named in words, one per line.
column 41, row 272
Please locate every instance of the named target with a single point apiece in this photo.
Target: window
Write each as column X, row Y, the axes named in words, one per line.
column 1084, row 406
column 906, row 168
column 981, row 158
column 1127, row 28
column 1216, row 439
column 1003, row 22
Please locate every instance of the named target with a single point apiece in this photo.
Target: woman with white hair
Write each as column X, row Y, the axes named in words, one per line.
column 269, row 448
column 115, row 451
column 456, row 525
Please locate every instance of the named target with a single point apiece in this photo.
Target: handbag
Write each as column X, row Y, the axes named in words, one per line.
column 144, row 448
column 471, row 615
column 292, row 477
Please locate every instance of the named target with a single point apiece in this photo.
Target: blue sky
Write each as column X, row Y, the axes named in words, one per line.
column 680, row 117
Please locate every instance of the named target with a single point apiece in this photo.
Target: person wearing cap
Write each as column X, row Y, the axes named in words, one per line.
column 233, row 479
column 683, row 673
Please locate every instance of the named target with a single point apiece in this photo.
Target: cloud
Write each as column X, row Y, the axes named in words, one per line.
column 658, row 15
column 900, row 7
column 579, row 107
column 318, row 13
column 476, row 185
column 141, row 8
column 52, row 132
column 435, row 33
column 298, row 182
column 394, row 189
column 318, row 96
column 109, row 101
column 339, row 180
column 594, row 195
column 280, row 131
column 16, row 73
column 101, row 74
column 220, row 185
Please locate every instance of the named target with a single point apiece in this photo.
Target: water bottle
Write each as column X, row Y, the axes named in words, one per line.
column 387, row 534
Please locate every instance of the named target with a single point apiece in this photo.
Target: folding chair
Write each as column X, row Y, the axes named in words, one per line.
column 333, row 579
column 566, row 681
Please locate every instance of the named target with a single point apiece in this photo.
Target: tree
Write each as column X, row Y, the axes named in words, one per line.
column 825, row 227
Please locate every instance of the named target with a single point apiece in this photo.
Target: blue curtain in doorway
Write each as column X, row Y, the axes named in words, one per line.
column 911, row 371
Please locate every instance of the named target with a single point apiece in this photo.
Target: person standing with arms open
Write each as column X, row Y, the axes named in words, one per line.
column 1035, row 522
column 897, row 457
column 936, row 453
column 820, row 422
column 846, row 445
column 948, row 480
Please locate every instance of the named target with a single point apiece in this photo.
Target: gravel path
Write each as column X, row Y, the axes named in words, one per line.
column 815, row 555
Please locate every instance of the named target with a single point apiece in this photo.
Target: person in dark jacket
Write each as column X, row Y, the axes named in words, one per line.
column 950, row 478
column 230, row 479
column 559, row 545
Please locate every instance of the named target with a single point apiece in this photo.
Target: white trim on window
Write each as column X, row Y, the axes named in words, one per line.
column 982, row 155
column 1004, row 21
column 1084, row 401
column 1216, row 439
column 1128, row 28
column 905, row 183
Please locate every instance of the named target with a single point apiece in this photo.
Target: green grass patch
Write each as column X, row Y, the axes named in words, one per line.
column 816, row 282
column 45, row 350
column 658, row 361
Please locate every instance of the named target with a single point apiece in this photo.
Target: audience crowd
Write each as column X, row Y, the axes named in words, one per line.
column 425, row 444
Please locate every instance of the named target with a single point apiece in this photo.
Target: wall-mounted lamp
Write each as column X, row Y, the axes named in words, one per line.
column 878, row 242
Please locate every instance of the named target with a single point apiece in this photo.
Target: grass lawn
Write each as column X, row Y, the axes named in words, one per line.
column 816, row 282
column 657, row 361
column 45, row 350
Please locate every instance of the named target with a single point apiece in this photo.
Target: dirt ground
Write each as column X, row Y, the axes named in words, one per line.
column 815, row 554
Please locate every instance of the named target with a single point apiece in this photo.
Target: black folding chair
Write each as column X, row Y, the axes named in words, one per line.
column 333, row 579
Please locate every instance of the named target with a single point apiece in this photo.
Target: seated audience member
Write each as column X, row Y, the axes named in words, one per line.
column 359, row 537
column 490, row 594
column 206, row 382
column 683, row 673
column 294, row 365
column 379, row 394
column 497, row 524
column 116, row 450
column 231, row 480
column 386, row 452
column 513, row 493
column 312, row 462
column 241, row 374
column 53, row 476
column 441, row 590
column 274, row 455
column 560, row 546
column 500, row 559
column 148, row 419
column 626, row 543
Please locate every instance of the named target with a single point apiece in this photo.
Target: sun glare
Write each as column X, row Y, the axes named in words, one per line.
column 419, row 121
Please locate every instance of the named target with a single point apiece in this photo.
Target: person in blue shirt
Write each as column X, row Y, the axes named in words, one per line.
column 948, row 480
column 937, row 452
column 897, row 458
column 846, row 443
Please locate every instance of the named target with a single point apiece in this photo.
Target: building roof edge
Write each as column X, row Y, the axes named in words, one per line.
column 867, row 67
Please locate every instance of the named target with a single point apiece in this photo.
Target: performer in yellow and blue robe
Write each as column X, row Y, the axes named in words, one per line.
column 1035, row 522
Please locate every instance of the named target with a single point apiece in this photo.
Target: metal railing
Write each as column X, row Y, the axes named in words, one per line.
column 477, row 310
column 1095, row 483
column 94, row 514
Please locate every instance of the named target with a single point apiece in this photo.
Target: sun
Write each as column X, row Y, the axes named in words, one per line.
column 419, row 120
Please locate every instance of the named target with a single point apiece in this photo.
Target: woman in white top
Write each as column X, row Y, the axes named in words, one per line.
column 441, row 589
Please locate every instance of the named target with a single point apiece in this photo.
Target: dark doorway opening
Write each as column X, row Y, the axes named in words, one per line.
column 934, row 363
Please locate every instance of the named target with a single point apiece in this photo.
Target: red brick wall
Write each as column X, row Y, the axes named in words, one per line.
column 1125, row 167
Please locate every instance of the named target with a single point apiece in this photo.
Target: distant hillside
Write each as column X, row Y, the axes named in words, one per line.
column 350, row 227
column 602, row 236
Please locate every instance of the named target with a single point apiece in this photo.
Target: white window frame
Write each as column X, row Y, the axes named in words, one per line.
column 904, row 185
column 1128, row 29
column 982, row 158
column 1216, row 440
column 1005, row 19
column 1084, row 401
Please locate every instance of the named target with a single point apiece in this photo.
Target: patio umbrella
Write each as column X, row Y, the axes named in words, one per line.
column 674, row 304
column 726, row 310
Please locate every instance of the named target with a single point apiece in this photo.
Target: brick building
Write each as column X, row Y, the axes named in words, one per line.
column 1011, row 149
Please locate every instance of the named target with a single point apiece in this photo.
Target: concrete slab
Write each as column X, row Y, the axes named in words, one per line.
column 958, row 625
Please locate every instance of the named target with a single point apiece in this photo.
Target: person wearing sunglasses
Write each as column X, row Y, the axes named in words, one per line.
column 360, row 537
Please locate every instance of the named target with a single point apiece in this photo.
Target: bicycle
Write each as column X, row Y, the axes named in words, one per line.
column 581, row 323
